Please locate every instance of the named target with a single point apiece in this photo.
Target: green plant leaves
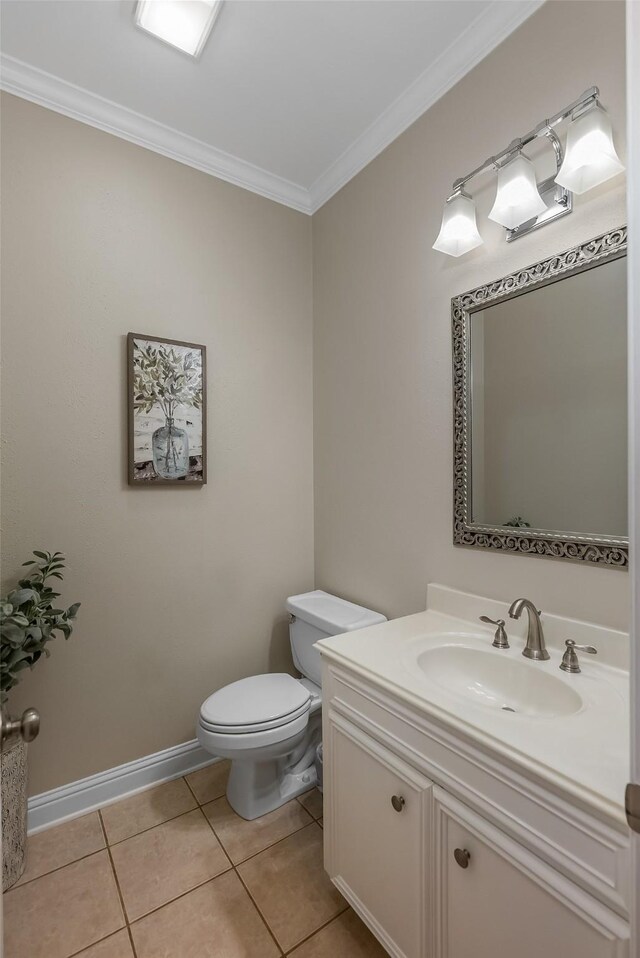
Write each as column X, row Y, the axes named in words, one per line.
column 22, row 597
column 28, row 619
column 11, row 632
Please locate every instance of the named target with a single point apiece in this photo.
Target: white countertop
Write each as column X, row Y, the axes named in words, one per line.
column 584, row 754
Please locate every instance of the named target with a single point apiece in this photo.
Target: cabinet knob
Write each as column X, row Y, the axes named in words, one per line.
column 462, row 857
column 398, row 802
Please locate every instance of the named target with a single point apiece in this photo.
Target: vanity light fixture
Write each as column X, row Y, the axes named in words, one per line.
column 517, row 198
column 591, row 157
column 522, row 204
column 185, row 24
column 459, row 232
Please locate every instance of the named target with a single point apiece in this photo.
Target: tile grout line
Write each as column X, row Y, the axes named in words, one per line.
column 112, row 934
column 108, row 844
column 98, row 851
column 120, row 895
column 151, row 828
column 272, row 845
column 195, row 797
column 250, row 896
column 143, row 831
column 264, row 920
column 207, row 881
column 232, row 866
column 133, row 921
column 107, row 848
column 317, row 930
column 59, row 868
column 299, row 800
column 312, row 821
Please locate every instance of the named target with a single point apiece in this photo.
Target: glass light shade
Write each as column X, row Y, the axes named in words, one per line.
column 517, row 197
column 458, row 233
column 185, row 24
column 590, row 157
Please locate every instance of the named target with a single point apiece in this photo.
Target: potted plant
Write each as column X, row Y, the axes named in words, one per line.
column 29, row 620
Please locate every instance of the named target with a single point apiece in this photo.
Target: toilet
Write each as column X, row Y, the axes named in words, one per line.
column 270, row 725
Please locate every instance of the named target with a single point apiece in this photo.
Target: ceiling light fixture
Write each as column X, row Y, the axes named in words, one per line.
column 185, row 24
column 522, row 204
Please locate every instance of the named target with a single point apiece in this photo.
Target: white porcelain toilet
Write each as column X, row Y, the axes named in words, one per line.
column 270, row 725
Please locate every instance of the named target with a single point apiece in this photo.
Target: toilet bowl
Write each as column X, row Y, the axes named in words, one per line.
column 270, row 725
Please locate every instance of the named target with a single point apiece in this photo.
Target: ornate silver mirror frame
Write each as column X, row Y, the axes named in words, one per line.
column 562, row 545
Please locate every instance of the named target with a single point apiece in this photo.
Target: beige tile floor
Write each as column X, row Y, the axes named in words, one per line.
column 174, row 873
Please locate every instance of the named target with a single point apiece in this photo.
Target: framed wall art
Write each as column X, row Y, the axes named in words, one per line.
column 167, row 411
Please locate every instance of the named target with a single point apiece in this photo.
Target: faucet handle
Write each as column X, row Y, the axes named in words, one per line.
column 500, row 640
column 570, row 661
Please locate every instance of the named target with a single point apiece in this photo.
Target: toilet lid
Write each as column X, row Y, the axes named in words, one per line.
column 255, row 703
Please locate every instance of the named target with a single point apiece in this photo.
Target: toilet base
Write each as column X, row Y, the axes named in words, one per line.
column 253, row 790
column 256, row 788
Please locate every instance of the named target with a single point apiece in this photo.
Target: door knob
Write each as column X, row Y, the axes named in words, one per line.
column 398, row 802
column 26, row 727
column 462, row 857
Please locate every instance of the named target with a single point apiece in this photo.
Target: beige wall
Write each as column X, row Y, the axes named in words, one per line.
column 183, row 589
column 382, row 341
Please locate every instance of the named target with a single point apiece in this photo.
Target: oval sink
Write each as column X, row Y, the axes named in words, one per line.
column 487, row 679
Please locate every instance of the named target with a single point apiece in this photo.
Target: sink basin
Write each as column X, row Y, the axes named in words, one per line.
column 496, row 682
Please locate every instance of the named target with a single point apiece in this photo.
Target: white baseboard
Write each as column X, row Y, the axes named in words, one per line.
column 69, row 801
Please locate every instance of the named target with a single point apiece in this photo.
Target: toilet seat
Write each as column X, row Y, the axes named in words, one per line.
column 243, row 743
column 256, row 704
column 256, row 726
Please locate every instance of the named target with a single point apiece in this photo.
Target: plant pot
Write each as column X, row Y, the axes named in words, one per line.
column 13, row 773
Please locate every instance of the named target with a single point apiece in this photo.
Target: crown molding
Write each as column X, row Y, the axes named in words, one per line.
column 481, row 36
column 46, row 90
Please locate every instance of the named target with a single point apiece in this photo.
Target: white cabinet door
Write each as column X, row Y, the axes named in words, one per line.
column 506, row 903
column 377, row 816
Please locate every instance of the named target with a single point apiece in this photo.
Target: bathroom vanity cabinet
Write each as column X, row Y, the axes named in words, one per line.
column 447, row 850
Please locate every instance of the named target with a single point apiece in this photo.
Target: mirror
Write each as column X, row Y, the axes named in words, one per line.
column 540, row 388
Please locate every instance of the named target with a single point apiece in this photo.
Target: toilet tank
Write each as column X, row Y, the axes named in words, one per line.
column 314, row 616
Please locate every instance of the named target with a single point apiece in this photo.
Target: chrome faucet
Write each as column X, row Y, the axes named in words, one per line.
column 535, row 647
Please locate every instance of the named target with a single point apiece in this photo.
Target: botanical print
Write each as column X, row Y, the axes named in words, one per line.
column 166, row 411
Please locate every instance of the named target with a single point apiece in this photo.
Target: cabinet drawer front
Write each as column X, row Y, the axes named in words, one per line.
column 493, row 898
column 377, row 832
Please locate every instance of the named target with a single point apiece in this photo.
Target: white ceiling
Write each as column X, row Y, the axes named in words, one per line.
column 289, row 99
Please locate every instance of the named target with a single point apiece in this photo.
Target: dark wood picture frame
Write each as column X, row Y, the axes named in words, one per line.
column 175, row 437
